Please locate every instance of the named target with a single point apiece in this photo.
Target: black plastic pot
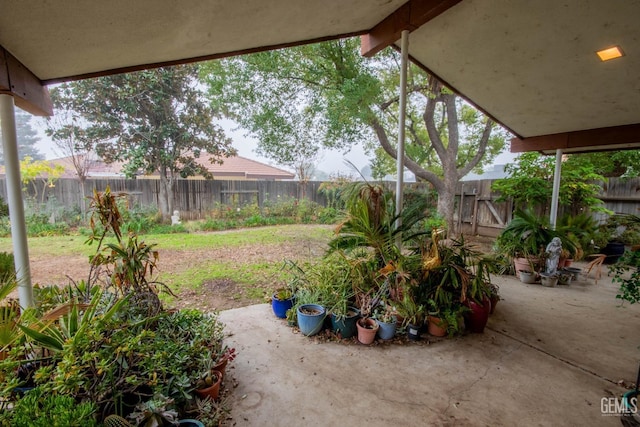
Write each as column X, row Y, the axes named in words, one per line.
column 413, row 332
column 613, row 251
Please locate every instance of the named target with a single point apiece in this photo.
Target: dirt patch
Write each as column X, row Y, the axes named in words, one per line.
column 219, row 294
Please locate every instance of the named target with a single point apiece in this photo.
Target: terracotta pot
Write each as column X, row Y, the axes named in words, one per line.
column 524, row 264
column 212, row 391
column 476, row 319
column 367, row 330
column 221, row 366
column 437, row 326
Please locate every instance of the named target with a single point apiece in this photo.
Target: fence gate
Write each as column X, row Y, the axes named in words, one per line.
column 478, row 213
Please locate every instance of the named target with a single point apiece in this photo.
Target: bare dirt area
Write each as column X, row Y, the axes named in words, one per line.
column 214, row 294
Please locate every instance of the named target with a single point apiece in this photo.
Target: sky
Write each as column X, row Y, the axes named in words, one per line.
column 331, row 162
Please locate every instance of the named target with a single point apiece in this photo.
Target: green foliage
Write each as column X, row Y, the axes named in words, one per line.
column 154, row 412
column 527, row 234
column 4, row 208
column 38, row 226
column 623, row 228
column 327, row 95
column 530, row 180
column 153, row 120
column 626, row 272
column 40, row 408
column 371, row 222
column 7, row 269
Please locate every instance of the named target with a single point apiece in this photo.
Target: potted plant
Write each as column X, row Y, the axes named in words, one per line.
column 524, row 239
column 477, row 296
column 344, row 322
column 387, row 320
column 222, row 358
column 527, row 276
column 208, row 384
column 413, row 314
column 310, row 318
column 367, row 330
column 281, row 301
column 549, row 280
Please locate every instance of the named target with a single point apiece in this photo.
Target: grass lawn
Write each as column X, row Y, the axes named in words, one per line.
column 216, row 269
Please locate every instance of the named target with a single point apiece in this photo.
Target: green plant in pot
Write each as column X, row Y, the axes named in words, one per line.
column 385, row 315
column 208, row 384
column 413, row 314
column 524, row 239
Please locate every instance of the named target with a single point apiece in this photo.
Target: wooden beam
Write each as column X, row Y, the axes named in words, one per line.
column 410, row 16
column 28, row 91
column 625, row 137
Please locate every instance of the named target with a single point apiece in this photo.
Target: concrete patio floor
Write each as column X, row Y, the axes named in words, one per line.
column 547, row 358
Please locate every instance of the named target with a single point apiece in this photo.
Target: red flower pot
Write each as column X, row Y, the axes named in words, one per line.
column 476, row 319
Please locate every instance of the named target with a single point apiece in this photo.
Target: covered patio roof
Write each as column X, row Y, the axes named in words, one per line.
column 532, row 66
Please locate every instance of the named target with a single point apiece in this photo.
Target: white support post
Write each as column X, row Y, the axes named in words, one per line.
column 14, row 199
column 401, row 130
column 555, row 195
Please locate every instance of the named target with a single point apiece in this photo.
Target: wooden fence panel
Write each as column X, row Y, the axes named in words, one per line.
column 477, row 211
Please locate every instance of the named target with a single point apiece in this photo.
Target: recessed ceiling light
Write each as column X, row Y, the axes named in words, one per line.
column 610, row 53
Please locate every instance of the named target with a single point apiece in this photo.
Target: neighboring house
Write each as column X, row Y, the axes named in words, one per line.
column 233, row 168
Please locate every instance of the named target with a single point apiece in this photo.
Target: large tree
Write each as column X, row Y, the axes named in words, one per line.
column 328, row 90
column 27, row 138
column 153, row 120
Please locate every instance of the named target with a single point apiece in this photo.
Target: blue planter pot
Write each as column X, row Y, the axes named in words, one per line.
column 190, row 423
column 386, row 331
column 346, row 326
column 310, row 318
column 280, row 307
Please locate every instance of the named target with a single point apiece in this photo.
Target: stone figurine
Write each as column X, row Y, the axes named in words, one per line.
column 554, row 248
column 175, row 218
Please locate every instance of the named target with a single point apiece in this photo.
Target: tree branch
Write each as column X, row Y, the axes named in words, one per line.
column 409, row 163
column 482, row 147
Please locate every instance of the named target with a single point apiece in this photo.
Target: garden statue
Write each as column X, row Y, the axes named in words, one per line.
column 554, row 248
column 175, row 218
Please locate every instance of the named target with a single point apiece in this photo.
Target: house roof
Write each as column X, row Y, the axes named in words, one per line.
column 529, row 64
column 236, row 167
column 243, row 167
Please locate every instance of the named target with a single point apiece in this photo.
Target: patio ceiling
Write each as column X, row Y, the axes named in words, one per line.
column 530, row 65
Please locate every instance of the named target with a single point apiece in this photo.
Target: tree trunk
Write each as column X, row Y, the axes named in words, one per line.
column 163, row 197
column 446, row 207
column 83, row 199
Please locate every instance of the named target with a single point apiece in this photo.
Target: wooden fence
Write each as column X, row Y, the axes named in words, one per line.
column 477, row 211
column 195, row 199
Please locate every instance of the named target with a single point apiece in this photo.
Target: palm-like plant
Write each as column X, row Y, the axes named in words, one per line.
column 526, row 235
column 371, row 222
